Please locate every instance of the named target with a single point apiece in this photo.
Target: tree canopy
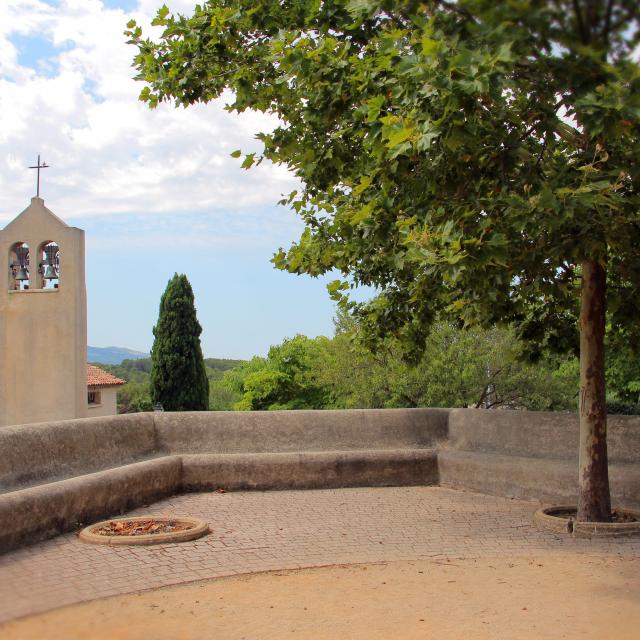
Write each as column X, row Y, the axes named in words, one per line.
column 288, row 378
column 475, row 367
column 479, row 368
column 466, row 157
column 178, row 377
column 460, row 368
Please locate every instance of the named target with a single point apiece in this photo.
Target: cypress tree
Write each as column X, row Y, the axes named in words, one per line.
column 178, row 376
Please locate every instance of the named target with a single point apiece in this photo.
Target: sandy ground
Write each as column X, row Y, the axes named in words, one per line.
column 550, row 596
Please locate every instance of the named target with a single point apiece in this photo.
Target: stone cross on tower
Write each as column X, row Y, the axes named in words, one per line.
column 39, row 166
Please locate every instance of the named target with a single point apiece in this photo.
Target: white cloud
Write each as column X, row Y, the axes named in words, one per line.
column 109, row 154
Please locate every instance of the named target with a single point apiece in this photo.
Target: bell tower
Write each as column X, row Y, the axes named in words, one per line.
column 43, row 318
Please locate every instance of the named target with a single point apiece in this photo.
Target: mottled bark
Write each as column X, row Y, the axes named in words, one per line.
column 594, row 502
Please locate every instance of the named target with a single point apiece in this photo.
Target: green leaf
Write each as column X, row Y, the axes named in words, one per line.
column 248, row 161
column 365, row 183
column 374, row 105
column 504, row 52
column 399, row 136
column 160, row 19
column 455, row 139
column 362, row 214
column 358, row 7
column 430, row 47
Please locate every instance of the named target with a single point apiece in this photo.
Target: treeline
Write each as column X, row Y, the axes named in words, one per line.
column 135, row 396
column 460, row 368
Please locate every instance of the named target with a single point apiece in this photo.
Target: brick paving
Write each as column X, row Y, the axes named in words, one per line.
column 259, row 531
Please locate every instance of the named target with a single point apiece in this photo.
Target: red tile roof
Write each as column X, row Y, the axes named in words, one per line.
column 96, row 377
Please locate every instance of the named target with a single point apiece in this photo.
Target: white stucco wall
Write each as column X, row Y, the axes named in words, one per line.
column 108, row 403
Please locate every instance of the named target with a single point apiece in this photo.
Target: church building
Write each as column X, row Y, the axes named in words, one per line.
column 43, row 319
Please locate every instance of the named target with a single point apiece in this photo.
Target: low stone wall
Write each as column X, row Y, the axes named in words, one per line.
column 537, row 434
column 527, row 454
column 55, row 475
column 290, row 431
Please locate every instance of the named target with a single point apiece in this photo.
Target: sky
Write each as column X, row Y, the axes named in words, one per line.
column 155, row 191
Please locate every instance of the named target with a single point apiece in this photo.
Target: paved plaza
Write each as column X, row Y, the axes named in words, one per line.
column 261, row 531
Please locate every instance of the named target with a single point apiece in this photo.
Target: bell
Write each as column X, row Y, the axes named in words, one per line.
column 21, row 274
column 50, row 273
column 21, row 266
column 22, row 253
column 51, row 262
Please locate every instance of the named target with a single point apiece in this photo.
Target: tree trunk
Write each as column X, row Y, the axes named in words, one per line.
column 594, row 502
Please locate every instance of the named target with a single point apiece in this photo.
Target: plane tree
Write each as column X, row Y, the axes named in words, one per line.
column 468, row 158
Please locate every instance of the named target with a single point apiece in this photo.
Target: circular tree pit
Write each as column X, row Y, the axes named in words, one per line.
column 624, row 522
column 144, row 530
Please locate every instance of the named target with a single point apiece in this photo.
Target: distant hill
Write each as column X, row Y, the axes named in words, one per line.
column 113, row 355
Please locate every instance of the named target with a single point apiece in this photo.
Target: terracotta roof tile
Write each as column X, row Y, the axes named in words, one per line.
column 96, row 377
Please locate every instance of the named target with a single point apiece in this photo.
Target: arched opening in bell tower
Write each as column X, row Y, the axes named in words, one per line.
column 49, row 265
column 19, row 267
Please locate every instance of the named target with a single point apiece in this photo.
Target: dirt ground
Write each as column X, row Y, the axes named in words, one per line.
column 550, row 596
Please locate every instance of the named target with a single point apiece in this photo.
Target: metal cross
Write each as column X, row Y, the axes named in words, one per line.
column 39, row 166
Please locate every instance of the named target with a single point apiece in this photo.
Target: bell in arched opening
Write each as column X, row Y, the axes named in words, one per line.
column 49, row 267
column 19, row 266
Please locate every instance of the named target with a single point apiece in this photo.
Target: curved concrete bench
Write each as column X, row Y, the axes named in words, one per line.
column 44, row 511
column 55, row 475
column 310, row 469
column 33, row 454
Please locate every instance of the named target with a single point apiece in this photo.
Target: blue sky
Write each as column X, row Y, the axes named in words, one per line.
column 156, row 192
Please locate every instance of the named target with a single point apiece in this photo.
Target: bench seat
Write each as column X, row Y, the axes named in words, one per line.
column 37, row 513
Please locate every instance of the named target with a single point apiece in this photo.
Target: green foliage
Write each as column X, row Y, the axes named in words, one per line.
column 217, row 366
column 286, row 379
column 220, row 397
column 623, row 380
column 459, row 368
column 134, row 397
column 463, row 157
column 178, row 377
column 137, row 370
column 136, row 394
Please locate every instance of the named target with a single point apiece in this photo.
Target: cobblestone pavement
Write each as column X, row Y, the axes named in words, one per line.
column 258, row 531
